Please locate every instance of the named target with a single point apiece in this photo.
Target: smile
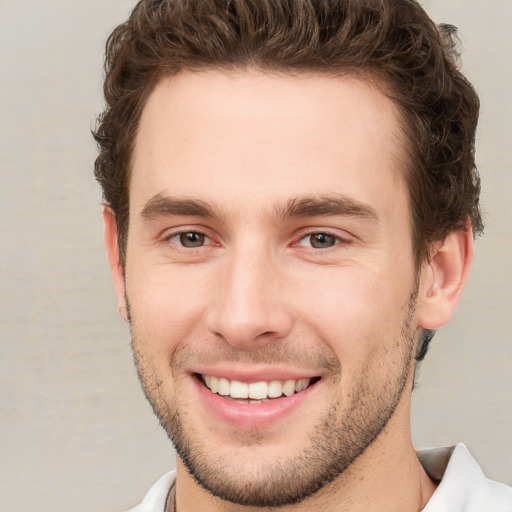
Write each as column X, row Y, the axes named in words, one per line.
column 255, row 390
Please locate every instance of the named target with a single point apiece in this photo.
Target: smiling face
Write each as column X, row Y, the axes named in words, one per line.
column 270, row 277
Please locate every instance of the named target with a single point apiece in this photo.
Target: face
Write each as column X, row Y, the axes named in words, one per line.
column 270, row 276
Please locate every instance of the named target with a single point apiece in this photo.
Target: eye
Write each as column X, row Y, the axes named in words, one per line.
column 189, row 239
column 320, row 240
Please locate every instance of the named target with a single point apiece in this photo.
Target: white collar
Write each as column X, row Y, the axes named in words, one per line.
column 463, row 486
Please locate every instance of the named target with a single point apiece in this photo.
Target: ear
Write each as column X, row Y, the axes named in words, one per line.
column 443, row 279
column 114, row 261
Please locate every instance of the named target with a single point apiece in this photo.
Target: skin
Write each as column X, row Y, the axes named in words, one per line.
column 225, row 156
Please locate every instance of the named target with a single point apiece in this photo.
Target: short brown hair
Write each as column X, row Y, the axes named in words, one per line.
column 393, row 41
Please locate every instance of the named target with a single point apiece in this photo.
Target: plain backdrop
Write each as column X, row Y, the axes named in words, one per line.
column 75, row 431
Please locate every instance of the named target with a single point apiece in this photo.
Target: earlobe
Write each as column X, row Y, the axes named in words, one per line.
column 443, row 279
column 114, row 260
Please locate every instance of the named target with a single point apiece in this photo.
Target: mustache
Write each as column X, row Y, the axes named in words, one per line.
column 271, row 354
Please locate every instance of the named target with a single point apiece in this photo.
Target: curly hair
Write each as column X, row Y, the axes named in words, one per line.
column 393, row 43
column 393, row 40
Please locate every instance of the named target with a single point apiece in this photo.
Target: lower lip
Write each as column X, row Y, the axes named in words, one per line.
column 251, row 416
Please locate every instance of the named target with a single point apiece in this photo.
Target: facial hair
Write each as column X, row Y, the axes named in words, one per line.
column 339, row 438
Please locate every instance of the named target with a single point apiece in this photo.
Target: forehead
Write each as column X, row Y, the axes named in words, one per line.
column 235, row 136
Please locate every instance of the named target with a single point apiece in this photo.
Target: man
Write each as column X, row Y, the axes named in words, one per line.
column 291, row 200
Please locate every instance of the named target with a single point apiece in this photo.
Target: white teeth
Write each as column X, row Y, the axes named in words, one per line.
column 289, row 387
column 258, row 390
column 301, row 385
column 239, row 389
column 224, row 387
column 275, row 388
column 214, row 384
column 255, row 390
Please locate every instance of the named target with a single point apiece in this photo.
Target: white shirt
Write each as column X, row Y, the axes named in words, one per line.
column 463, row 487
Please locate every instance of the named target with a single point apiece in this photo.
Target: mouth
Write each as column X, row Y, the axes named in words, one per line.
column 255, row 392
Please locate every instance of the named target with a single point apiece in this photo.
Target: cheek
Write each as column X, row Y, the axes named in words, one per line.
column 359, row 315
column 165, row 307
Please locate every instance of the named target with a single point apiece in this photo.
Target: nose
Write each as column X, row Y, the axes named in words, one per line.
column 250, row 308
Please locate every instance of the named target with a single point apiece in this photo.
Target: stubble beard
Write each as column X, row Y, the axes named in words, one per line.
column 338, row 439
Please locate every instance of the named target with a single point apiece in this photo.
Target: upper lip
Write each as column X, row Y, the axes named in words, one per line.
column 251, row 374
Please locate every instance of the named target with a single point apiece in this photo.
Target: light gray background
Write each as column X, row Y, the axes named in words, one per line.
column 75, row 431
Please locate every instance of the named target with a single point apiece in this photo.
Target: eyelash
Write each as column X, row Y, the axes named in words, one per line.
column 169, row 238
column 337, row 240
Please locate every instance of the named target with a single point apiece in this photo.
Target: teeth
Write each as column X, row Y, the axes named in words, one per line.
column 224, row 387
column 301, row 385
column 238, row 389
column 258, row 390
column 255, row 390
column 289, row 387
column 214, row 384
column 275, row 388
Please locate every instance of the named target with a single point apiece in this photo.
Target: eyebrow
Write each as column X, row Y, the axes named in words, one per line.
column 311, row 206
column 330, row 205
column 161, row 206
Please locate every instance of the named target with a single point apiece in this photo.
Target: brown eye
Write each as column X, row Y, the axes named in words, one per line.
column 192, row 239
column 322, row 240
